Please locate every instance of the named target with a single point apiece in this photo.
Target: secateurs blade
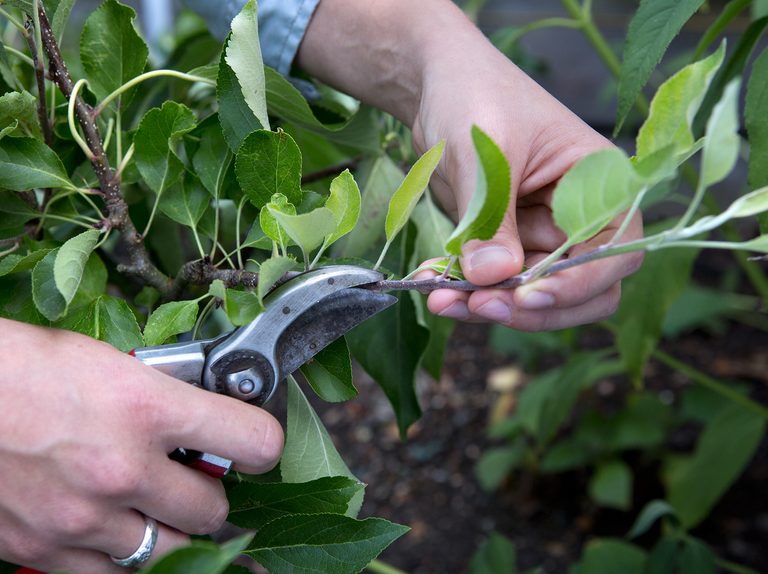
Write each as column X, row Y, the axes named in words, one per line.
column 302, row 316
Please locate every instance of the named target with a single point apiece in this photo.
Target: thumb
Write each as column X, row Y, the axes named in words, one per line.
column 499, row 258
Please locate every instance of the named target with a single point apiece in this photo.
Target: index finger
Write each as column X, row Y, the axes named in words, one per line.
column 205, row 421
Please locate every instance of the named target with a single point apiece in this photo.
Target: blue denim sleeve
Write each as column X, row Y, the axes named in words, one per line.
column 282, row 24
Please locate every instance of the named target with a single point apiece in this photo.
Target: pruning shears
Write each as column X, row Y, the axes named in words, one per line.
column 302, row 316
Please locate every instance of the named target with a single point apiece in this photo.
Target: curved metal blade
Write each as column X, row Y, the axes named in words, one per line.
column 321, row 325
column 302, row 317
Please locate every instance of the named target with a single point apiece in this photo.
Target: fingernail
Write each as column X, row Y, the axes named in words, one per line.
column 534, row 300
column 488, row 257
column 456, row 310
column 496, row 311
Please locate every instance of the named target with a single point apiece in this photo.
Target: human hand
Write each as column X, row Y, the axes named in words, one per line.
column 84, row 442
column 427, row 64
column 470, row 82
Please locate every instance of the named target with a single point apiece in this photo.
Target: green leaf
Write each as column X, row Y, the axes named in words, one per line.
column 18, row 115
column 18, row 263
column 546, row 402
column 726, row 16
column 186, row 201
column 61, row 17
column 330, row 373
column 269, row 225
column 663, row 557
column 108, row 319
column 270, row 273
column 241, row 307
column 662, row 279
column 111, row 50
column 286, row 102
column 495, row 555
column 268, row 163
column 14, row 213
column 696, row 558
column 307, row 230
column 155, row 141
column 497, row 464
column 48, row 300
column 756, row 121
column 27, row 163
column 344, row 202
column 489, row 203
column 611, row 485
column 70, row 263
column 652, row 29
column 733, row 68
column 609, row 556
column 759, row 9
column 397, row 330
column 309, row 452
column 199, row 558
column 254, row 506
column 380, row 178
column 722, row 142
column 243, row 54
column 410, row 191
column 212, row 158
column 675, row 104
column 593, row 192
column 235, row 117
column 725, row 447
column 17, row 302
column 753, row 203
column 330, row 543
column 168, row 320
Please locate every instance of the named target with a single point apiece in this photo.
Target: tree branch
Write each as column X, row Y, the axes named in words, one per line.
column 39, row 66
column 139, row 264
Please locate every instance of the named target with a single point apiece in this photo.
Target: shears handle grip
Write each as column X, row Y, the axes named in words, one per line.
column 185, row 361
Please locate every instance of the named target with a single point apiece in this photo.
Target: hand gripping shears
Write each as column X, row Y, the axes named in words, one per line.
column 302, row 316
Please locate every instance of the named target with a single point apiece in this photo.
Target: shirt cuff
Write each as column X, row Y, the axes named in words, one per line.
column 282, row 25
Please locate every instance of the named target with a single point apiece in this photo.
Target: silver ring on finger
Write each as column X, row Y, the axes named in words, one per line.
column 144, row 551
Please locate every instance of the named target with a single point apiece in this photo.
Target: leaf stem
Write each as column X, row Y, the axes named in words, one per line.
column 71, row 220
column 8, row 16
column 710, row 383
column 148, row 76
column 379, row 567
column 555, row 22
column 216, row 216
column 203, row 314
column 628, row 218
column 599, row 43
column 152, row 215
column 380, row 260
column 110, row 131
column 71, row 119
column 87, row 198
column 20, row 55
column 125, row 161
column 238, row 244
column 11, row 249
column 319, row 254
column 119, row 134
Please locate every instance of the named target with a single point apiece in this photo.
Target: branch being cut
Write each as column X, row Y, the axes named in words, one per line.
column 139, row 264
